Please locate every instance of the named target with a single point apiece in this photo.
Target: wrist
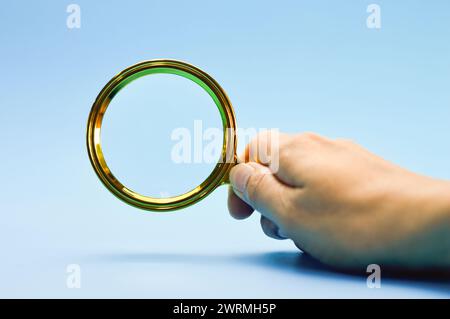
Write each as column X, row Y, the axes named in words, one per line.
column 437, row 200
column 427, row 220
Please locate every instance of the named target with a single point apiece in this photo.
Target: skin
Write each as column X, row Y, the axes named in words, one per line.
column 342, row 204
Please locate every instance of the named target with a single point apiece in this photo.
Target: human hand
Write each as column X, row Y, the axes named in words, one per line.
column 342, row 204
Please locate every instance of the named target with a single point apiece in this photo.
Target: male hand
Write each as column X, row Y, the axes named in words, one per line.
column 342, row 204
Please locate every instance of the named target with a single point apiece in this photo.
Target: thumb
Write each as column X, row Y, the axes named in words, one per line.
column 257, row 186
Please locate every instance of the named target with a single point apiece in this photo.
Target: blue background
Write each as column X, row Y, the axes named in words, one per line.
column 295, row 65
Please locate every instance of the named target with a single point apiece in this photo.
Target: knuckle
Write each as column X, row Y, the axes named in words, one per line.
column 260, row 138
column 304, row 140
column 265, row 146
column 257, row 145
column 309, row 137
column 345, row 141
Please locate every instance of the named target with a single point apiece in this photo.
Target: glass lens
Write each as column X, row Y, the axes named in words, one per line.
column 162, row 135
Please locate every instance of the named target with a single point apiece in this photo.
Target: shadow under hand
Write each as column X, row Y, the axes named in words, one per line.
column 294, row 262
column 302, row 263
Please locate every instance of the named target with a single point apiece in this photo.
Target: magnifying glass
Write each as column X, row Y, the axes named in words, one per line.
column 219, row 174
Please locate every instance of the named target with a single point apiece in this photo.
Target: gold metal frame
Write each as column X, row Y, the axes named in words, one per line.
column 221, row 171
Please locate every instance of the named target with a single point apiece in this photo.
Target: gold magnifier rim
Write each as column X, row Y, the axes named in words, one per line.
column 220, row 173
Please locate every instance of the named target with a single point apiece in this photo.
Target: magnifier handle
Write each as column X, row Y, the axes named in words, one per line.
column 226, row 180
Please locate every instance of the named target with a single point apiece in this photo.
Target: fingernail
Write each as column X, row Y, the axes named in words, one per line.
column 239, row 176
